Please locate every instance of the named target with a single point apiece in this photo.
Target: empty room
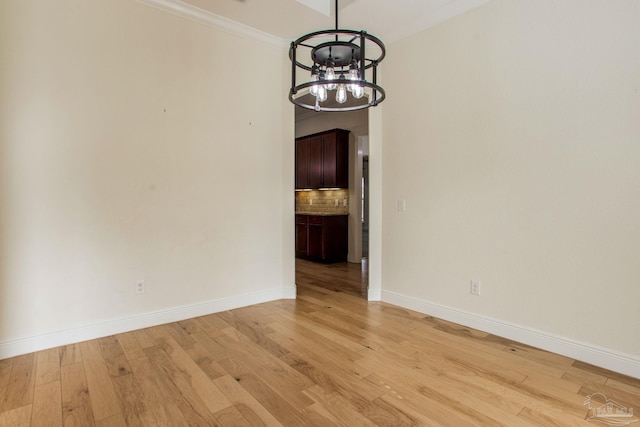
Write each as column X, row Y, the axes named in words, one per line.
column 319, row 212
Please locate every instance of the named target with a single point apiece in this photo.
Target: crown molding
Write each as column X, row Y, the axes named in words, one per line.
column 185, row 10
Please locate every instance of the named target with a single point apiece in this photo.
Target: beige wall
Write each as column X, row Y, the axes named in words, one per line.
column 513, row 134
column 131, row 149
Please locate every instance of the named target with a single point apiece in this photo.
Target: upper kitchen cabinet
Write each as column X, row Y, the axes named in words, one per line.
column 309, row 162
column 322, row 160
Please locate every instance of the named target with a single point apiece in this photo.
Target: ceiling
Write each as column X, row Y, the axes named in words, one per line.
column 389, row 20
column 282, row 21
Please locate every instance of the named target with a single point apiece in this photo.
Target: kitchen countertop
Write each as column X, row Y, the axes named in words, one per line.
column 322, row 213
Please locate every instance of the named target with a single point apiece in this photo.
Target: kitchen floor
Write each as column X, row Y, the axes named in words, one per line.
column 339, row 277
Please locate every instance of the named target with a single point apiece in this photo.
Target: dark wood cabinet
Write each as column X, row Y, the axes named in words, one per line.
column 315, row 249
column 302, row 163
column 302, row 236
column 322, row 160
column 321, row 237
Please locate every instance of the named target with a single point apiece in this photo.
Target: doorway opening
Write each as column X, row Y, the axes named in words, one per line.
column 350, row 276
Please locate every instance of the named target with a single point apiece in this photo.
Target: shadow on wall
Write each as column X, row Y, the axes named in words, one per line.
column 5, row 206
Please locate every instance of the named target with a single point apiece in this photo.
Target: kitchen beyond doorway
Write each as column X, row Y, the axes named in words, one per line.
column 351, row 277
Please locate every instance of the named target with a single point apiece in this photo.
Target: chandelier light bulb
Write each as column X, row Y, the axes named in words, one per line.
column 341, row 94
column 358, row 91
column 354, row 75
column 322, row 93
column 313, row 90
column 330, row 75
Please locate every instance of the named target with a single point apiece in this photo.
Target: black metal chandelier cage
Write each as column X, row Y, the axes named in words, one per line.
column 336, row 61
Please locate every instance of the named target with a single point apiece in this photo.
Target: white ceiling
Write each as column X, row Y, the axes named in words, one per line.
column 389, row 20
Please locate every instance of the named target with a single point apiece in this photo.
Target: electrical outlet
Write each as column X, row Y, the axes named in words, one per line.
column 140, row 287
column 336, row 202
column 310, row 201
column 475, row 288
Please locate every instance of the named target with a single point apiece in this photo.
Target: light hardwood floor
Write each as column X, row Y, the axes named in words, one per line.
column 327, row 358
column 338, row 277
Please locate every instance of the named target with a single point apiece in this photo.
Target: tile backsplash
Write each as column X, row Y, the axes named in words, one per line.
column 323, row 201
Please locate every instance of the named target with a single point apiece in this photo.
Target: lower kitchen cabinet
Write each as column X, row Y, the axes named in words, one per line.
column 302, row 237
column 321, row 237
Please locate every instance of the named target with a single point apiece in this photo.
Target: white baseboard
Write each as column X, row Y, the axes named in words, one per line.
column 30, row 344
column 374, row 295
column 290, row 293
column 606, row 358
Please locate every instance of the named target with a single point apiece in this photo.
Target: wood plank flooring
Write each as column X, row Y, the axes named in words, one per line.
column 339, row 277
column 328, row 358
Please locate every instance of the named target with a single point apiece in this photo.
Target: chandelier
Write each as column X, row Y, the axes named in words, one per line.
column 337, row 64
